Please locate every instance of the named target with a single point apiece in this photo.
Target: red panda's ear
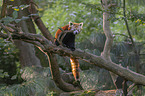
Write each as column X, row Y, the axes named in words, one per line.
column 70, row 24
column 81, row 24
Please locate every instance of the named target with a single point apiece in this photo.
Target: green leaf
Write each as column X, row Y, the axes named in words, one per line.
column 14, row 77
column 7, row 20
column 15, row 14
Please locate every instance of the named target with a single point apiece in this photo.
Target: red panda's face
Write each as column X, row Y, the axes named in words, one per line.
column 76, row 27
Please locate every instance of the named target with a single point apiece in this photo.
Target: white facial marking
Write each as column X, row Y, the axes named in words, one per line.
column 76, row 32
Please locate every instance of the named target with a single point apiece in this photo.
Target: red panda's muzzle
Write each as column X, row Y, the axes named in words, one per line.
column 76, row 32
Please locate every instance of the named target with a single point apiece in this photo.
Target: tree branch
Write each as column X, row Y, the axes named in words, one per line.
column 88, row 57
column 107, row 31
column 126, row 23
column 38, row 21
column 137, row 52
column 8, row 33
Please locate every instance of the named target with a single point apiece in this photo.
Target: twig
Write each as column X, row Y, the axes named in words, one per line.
column 120, row 35
column 7, row 29
column 134, row 45
column 129, row 33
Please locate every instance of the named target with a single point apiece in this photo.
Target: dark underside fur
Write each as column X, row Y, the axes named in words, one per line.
column 68, row 41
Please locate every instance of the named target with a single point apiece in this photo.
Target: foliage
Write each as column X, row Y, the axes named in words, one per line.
column 135, row 20
column 89, row 79
column 9, row 62
column 6, row 20
column 37, row 82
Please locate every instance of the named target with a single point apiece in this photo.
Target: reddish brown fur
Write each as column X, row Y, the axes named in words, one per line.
column 59, row 31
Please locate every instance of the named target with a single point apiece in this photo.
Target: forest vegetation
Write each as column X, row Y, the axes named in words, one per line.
column 111, row 44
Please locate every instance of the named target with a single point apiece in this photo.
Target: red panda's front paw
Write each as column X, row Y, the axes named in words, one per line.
column 72, row 49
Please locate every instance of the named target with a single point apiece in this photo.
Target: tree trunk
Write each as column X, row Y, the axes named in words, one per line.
column 26, row 50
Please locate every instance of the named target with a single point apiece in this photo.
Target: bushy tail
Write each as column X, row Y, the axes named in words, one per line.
column 75, row 68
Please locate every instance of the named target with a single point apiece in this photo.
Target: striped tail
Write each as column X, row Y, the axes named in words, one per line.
column 75, row 68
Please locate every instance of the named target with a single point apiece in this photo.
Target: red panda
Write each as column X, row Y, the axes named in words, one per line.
column 68, row 40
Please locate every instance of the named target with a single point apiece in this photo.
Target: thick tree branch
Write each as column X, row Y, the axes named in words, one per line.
column 56, row 77
column 38, row 21
column 88, row 57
